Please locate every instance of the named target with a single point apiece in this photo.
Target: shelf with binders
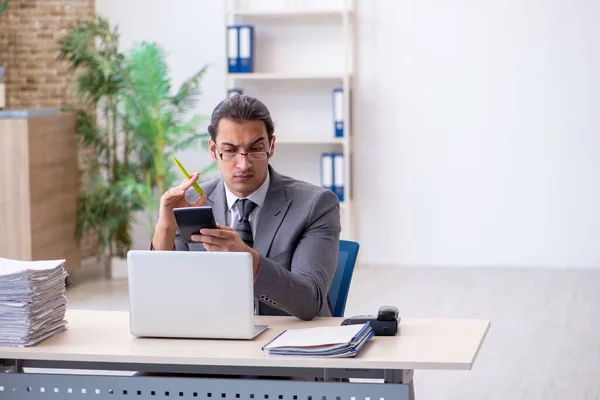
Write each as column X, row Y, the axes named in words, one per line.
column 306, row 126
column 294, row 9
column 302, row 113
column 309, row 139
column 296, row 57
column 303, row 161
column 297, row 13
column 322, row 165
column 276, row 49
column 286, row 76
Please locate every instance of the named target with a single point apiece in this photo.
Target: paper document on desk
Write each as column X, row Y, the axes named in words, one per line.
column 32, row 301
column 335, row 341
column 12, row 267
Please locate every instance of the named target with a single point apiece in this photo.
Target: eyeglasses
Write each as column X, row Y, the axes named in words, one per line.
column 252, row 156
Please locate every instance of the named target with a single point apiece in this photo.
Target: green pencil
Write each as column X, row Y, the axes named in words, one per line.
column 187, row 176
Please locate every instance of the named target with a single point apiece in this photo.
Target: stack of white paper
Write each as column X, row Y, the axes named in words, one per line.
column 32, row 301
column 335, row 341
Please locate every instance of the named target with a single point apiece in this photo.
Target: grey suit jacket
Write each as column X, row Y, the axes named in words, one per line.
column 297, row 238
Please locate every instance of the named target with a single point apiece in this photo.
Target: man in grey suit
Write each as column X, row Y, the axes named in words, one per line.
column 290, row 227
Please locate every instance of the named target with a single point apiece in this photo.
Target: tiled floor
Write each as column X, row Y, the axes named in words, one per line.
column 545, row 337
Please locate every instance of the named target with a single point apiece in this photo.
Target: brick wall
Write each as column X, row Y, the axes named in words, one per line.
column 28, row 33
column 29, row 30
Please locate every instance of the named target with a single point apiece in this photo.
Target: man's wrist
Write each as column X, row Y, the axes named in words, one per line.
column 165, row 228
column 164, row 236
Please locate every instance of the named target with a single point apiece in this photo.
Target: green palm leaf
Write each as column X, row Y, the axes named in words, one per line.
column 148, row 80
column 186, row 97
column 108, row 202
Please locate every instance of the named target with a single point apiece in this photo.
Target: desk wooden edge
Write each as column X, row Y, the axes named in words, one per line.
column 41, row 354
column 476, row 355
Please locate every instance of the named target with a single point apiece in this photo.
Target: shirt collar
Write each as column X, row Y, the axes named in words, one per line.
column 257, row 197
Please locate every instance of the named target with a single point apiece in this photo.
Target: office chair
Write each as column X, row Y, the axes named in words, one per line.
column 338, row 293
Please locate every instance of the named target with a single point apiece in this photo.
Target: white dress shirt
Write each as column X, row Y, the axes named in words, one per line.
column 233, row 214
column 257, row 197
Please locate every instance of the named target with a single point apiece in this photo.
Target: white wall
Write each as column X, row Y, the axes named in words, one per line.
column 474, row 121
column 481, row 124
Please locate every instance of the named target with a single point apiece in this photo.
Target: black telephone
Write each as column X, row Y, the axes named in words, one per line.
column 384, row 324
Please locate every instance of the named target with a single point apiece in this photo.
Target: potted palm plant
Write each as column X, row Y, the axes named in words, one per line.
column 107, row 202
column 160, row 120
column 130, row 124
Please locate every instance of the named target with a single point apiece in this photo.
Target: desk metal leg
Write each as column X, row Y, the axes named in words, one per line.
column 11, row 366
column 404, row 377
column 79, row 387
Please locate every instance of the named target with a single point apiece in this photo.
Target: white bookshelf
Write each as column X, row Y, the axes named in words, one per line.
column 303, row 50
column 282, row 76
column 307, row 139
column 297, row 14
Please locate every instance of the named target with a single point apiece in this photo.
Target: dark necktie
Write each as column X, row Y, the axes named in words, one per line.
column 243, row 227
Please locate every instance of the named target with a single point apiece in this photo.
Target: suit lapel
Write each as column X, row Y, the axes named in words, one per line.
column 218, row 201
column 274, row 209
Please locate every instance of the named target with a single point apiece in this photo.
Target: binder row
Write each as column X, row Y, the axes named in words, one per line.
column 332, row 173
column 240, row 48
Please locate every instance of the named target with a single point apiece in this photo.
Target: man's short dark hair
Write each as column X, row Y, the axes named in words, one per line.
column 241, row 108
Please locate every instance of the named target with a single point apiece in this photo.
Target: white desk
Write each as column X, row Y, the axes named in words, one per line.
column 101, row 340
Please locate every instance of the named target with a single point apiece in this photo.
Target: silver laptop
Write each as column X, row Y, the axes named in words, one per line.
column 191, row 294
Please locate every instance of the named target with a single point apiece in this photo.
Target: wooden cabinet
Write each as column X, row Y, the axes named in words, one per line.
column 39, row 186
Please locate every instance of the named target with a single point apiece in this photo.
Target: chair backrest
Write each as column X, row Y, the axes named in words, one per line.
column 338, row 293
